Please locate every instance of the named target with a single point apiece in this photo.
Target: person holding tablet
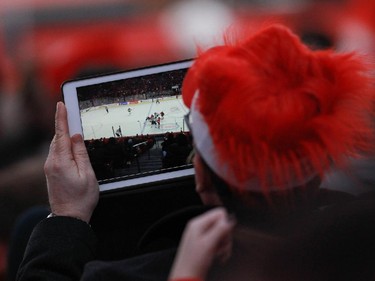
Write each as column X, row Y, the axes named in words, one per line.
column 269, row 118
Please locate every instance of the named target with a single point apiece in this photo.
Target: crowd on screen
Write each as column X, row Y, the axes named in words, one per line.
column 134, row 89
column 112, row 156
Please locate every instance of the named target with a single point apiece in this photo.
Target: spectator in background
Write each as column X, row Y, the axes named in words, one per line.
column 23, row 152
column 269, row 117
column 24, row 148
column 176, row 151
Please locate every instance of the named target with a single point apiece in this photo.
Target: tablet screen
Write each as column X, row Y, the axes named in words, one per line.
column 132, row 124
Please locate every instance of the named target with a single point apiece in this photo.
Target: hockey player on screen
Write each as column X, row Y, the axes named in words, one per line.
column 118, row 132
column 158, row 122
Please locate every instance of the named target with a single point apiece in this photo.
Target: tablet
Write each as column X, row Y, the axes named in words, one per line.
column 133, row 125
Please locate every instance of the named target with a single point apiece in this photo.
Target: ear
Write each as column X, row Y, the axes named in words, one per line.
column 203, row 183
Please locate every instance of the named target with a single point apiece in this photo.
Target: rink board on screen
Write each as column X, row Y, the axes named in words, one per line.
column 131, row 121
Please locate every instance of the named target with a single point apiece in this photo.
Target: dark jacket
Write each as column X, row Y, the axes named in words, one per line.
column 63, row 248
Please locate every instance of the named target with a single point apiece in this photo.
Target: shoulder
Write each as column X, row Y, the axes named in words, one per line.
column 151, row 267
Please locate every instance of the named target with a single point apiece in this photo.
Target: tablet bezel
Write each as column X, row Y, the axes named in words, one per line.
column 70, row 97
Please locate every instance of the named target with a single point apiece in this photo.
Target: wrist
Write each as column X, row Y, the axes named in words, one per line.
column 64, row 210
column 186, row 279
column 52, row 215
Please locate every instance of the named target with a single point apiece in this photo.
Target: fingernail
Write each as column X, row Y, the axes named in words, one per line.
column 58, row 108
column 77, row 138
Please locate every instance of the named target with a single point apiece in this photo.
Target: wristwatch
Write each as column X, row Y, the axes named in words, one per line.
column 51, row 215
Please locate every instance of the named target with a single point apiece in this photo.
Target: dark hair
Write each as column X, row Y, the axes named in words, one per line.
column 317, row 40
column 264, row 205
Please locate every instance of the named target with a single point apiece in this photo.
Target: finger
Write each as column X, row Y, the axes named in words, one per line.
column 224, row 249
column 80, row 153
column 207, row 220
column 61, row 145
column 61, row 123
column 219, row 233
column 224, row 253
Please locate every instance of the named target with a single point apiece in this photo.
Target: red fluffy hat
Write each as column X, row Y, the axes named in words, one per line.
column 267, row 113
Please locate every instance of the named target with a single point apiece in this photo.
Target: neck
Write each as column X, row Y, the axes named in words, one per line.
column 250, row 207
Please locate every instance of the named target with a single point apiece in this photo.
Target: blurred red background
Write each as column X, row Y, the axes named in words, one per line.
column 43, row 43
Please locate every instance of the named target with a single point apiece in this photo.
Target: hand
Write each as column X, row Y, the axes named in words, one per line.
column 205, row 238
column 72, row 186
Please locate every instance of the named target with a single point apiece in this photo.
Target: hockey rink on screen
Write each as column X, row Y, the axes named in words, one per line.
column 98, row 123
